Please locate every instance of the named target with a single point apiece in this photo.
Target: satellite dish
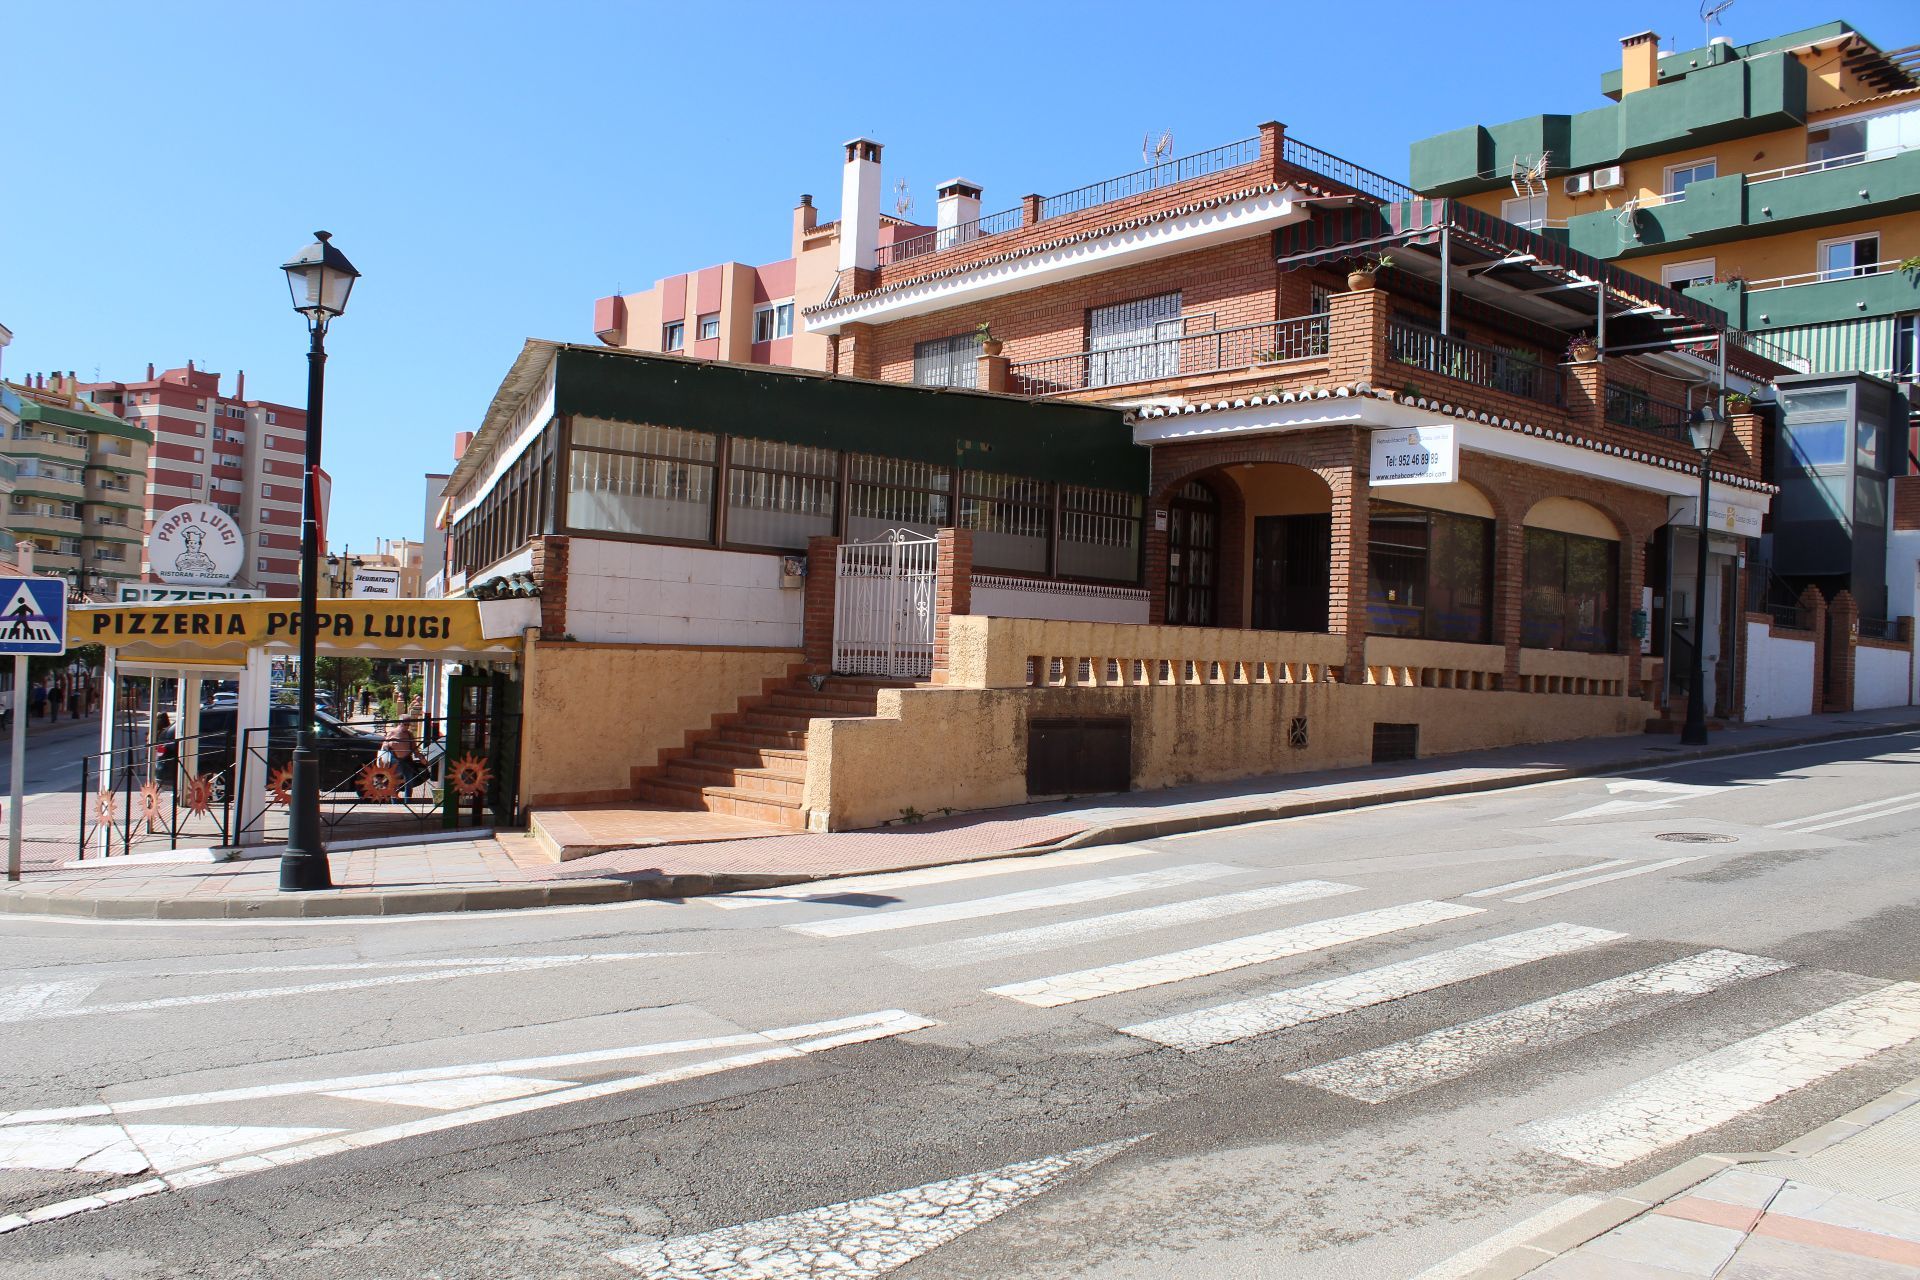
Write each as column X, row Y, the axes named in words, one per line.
column 902, row 198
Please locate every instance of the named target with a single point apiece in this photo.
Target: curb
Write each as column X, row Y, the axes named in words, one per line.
column 1563, row 1239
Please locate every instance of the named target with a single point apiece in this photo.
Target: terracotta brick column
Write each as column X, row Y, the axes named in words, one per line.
column 1843, row 632
column 1586, row 389
column 1813, row 618
column 1748, row 432
column 1155, row 577
column 992, row 373
column 1357, row 337
column 1273, row 136
column 952, row 590
column 816, row 636
column 550, row 553
column 1509, row 592
column 859, row 354
column 1347, row 573
column 1030, row 209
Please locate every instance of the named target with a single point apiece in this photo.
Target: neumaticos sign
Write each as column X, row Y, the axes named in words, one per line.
column 196, row 545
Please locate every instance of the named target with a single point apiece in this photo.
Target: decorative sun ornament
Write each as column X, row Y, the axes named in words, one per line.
column 150, row 805
column 280, row 785
column 199, row 795
column 470, row 776
column 103, row 807
column 378, row 782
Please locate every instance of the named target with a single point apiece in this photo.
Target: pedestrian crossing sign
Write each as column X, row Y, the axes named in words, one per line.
column 34, row 620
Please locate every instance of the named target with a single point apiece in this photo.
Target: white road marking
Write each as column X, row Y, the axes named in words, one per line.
column 136, row 1148
column 1073, row 933
column 1852, row 808
column 881, row 882
column 1668, row 793
column 450, row 1095
column 877, row 1026
column 1235, row 953
column 1262, row 1015
column 856, row 1239
column 1865, row 817
column 1411, row 1065
column 517, row 964
column 1708, row 1091
column 1588, row 883
column 1530, row 881
column 37, row 999
column 1469, row 1261
column 1026, row 900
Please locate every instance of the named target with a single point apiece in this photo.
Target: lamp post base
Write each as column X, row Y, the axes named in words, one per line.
column 1692, row 735
column 304, row 866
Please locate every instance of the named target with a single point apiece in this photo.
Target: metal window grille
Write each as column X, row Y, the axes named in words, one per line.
column 778, row 494
column 947, row 362
column 886, row 493
column 1134, row 341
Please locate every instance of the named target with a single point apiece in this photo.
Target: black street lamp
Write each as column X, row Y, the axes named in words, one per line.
column 1705, row 433
column 340, row 570
column 319, row 278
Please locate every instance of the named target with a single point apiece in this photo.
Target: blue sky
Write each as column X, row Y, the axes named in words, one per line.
column 492, row 168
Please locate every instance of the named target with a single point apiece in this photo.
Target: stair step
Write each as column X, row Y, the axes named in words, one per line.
column 825, row 702
column 713, row 756
column 747, row 756
column 752, row 737
column 778, row 810
column 757, row 782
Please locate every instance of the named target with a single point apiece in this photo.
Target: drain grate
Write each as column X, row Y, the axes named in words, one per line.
column 1695, row 837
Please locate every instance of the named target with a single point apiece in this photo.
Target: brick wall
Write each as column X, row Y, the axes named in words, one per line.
column 1906, row 502
column 952, row 590
column 1843, row 632
column 823, row 563
column 550, row 554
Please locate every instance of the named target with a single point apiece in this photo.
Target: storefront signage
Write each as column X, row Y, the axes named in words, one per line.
column 1415, row 455
column 196, row 545
column 148, row 593
column 1722, row 517
column 396, row 625
column 376, row 584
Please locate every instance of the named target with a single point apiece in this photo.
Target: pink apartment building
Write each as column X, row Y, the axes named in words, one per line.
column 747, row 314
column 244, row 456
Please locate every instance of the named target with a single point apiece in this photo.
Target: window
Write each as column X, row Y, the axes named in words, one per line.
column 628, row 478
column 1906, row 346
column 1869, row 137
column 710, row 325
column 775, row 321
column 1134, row 341
column 1529, row 212
column 261, row 564
column 1011, row 517
column 271, row 420
column 1853, row 256
column 892, row 493
column 1680, row 176
column 673, row 336
column 1685, row 275
column 266, row 492
column 779, row 495
column 1429, row 574
column 198, row 456
column 1569, row 592
column 948, row 362
column 1099, row 534
column 271, row 444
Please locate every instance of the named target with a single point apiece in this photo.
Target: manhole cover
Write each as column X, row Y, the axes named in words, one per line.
column 1695, row 837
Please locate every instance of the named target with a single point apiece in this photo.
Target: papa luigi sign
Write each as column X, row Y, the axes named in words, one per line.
column 196, row 545
column 224, row 624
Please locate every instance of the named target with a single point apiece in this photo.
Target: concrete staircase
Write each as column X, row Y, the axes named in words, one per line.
column 753, row 762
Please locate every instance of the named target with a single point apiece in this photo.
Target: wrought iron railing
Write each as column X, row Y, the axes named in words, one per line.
column 1345, row 172
column 1627, row 407
column 147, row 797
column 948, row 237
column 1483, row 366
column 1879, row 629
column 1241, row 347
column 1152, row 178
column 1767, row 349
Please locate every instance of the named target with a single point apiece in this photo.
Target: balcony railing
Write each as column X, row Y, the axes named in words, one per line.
column 947, row 237
column 1141, row 181
column 1829, row 162
column 1769, row 350
column 1241, row 347
column 1824, row 277
column 1627, row 407
column 1296, row 152
column 1483, row 366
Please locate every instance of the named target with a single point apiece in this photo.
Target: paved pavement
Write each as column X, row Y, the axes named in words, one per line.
column 1357, row 1044
column 672, row 860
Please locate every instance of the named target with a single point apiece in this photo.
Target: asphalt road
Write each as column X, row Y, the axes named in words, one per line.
column 1342, row 1046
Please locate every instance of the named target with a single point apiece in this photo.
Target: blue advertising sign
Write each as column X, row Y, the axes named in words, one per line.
column 34, row 619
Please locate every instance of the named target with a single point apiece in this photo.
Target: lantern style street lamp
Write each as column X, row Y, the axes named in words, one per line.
column 1705, row 433
column 319, row 279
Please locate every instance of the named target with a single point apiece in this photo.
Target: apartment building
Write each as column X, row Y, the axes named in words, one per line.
column 79, row 477
column 740, row 313
column 244, row 456
column 1778, row 181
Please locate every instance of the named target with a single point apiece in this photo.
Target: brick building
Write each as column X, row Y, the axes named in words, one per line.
column 244, row 456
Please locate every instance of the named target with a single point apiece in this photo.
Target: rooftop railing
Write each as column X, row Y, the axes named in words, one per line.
column 1241, row 347
column 1140, row 181
column 1492, row 367
column 948, row 237
column 1296, row 152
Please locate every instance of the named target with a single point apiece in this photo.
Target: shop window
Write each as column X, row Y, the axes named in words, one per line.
column 1429, row 574
column 1099, row 534
column 1010, row 517
column 654, row 481
column 948, row 362
column 779, row 495
column 1570, row 590
column 892, row 493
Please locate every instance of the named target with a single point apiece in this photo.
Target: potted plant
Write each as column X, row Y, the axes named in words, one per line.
column 989, row 345
column 1582, row 348
column 1739, row 402
column 1362, row 276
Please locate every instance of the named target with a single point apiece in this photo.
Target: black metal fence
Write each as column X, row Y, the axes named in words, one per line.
column 1492, row 367
column 1240, row 347
column 147, row 797
column 1345, row 172
column 1627, row 407
column 1164, row 174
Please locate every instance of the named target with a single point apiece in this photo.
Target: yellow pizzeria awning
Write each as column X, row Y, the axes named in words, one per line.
column 227, row 628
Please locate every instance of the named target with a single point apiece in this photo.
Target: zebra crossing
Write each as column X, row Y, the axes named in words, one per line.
column 1461, row 945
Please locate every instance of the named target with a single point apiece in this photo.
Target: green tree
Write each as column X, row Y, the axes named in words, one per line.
column 341, row 674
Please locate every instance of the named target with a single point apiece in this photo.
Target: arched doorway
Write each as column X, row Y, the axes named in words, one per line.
column 1193, row 556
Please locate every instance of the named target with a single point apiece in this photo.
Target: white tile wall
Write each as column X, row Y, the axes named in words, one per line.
column 641, row 593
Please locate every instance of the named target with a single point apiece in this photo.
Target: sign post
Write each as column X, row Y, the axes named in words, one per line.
column 33, row 621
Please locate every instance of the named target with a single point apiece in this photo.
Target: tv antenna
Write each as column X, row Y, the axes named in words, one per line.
column 902, row 198
column 1710, row 14
column 1153, row 151
column 1530, row 179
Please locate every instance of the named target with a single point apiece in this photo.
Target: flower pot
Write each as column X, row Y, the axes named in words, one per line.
column 991, row 346
column 1359, row 280
column 1584, row 351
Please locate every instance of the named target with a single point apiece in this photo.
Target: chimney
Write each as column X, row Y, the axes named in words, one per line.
column 959, row 205
column 461, row 439
column 240, row 385
column 860, row 206
column 1639, row 62
column 149, row 371
column 189, row 370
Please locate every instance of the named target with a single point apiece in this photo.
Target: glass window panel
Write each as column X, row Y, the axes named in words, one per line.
column 655, row 497
column 1590, row 578
column 893, row 493
column 1543, row 608
column 1099, row 534
column 948, row 362
column 1396, row 573
column 1817, row 444
column 634, row 437
column 779, row 495
column 1134, row 341
column 1010, row 517
column 1460, row 561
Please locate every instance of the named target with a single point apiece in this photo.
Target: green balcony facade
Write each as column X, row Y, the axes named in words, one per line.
column 1735, row 208
column 1712, row 104
column 1885, row 293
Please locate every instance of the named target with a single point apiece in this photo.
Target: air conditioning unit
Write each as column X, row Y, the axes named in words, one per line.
column 1608, row 178
column 1577, row 185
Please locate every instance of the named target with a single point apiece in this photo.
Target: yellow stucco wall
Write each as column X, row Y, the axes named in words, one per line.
column 591, row 713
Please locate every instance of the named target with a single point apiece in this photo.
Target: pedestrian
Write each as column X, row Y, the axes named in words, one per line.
column 53, row 702
column 73, row 703
column 36, row 700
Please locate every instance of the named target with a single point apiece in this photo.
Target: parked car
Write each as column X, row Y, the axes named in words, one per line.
column 343, row 750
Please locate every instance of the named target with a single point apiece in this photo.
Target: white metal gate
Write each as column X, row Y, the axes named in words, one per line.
column 883, row 606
